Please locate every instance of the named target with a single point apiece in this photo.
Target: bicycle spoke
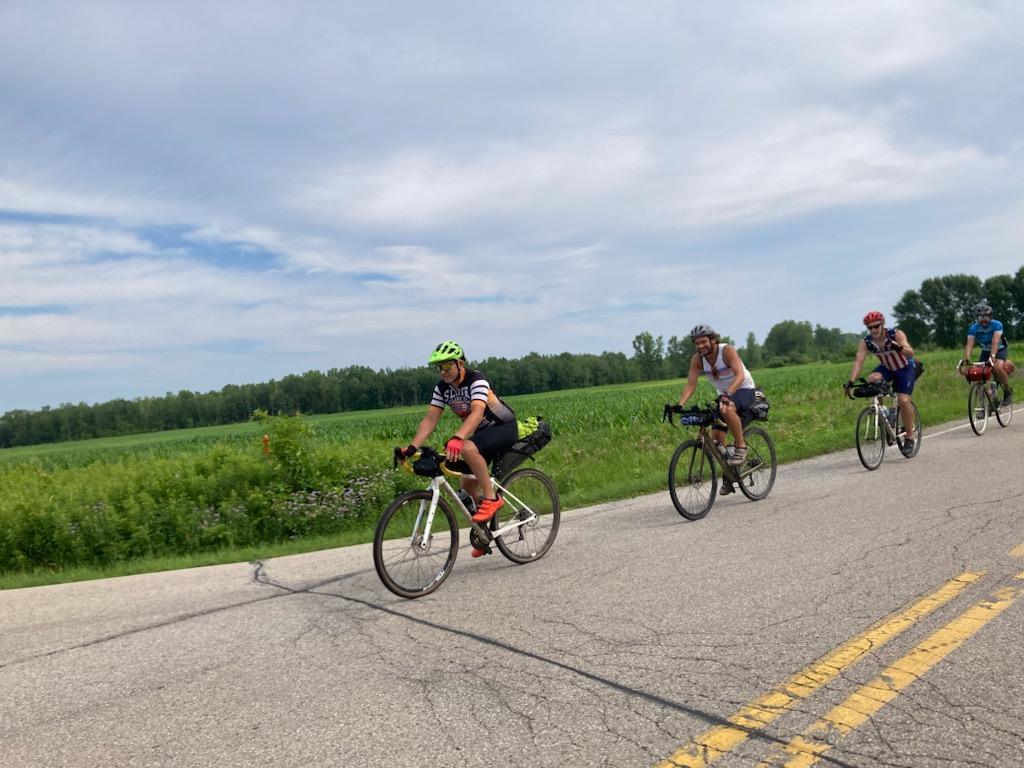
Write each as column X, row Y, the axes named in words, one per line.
column 530, row 497
column 410, row 563
column 691, row 478
column 870, row 438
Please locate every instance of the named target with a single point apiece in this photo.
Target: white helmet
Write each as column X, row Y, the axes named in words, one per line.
column 703, row 330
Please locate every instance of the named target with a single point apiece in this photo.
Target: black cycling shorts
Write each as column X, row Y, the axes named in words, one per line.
column 492, row 442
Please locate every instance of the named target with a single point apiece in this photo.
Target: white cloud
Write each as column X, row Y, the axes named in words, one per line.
column 811, row 161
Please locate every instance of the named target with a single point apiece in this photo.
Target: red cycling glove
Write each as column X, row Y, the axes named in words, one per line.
column 453, row 447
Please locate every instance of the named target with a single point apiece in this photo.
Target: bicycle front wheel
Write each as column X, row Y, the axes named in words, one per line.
column 411, row 561
column 870, row 438
column 1003, row 412
column 901, row 431
column 692, row 479
column 977, row 407
column 757, row 475
column 529, row 495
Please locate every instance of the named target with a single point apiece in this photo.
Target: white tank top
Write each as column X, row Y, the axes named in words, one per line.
column 721, row 375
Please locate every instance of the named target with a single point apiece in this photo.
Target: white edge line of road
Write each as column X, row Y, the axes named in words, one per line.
column 954, row 429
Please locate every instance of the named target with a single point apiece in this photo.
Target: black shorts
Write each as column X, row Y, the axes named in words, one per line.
column 1001, row 354
column 742, row 399
column 492, row 442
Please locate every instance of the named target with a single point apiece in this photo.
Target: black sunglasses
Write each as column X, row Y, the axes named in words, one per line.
column 873, row 326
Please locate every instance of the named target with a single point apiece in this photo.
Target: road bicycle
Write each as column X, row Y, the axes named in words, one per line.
column 694, row 467
column 986, row 397
column 880, row 425
column 417, row 537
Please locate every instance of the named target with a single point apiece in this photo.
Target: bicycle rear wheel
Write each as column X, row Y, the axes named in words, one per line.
column 901, row 431
column 692, row 480
column 977, row 407
column 870, row 438
column 528, row 493
column 1003, row 412
column 409, row 562
column 757, row 475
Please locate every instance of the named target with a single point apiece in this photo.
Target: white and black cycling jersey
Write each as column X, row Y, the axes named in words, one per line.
column 460, row 397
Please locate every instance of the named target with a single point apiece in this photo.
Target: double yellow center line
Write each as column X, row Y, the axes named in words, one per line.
column 807, row 749
column 764, row 710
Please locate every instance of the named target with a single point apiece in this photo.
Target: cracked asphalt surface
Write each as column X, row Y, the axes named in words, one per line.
column 635, row 634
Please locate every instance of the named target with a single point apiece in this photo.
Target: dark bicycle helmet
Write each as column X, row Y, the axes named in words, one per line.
column 982, row 308
column 703, row 330
column 445, row 351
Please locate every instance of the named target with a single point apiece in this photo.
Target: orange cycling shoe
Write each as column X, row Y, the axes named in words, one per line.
column 486, row 510
column 478, row 552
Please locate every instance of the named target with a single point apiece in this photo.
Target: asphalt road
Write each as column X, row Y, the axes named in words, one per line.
column 866, row 618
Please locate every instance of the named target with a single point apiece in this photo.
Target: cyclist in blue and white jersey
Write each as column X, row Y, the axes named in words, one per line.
column 488, row 426
column 988, row 334
column 896, row 365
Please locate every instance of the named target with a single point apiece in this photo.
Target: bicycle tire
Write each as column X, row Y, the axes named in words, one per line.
column 1004, row 413
column 528, row 490
column 687, row 480
column 761, row 463
column 917, row 430
column 977, row 407
column 404, row 568
column 870, row 439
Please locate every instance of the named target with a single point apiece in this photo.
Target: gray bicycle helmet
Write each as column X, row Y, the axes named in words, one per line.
column 982, row 308
column 703, row 330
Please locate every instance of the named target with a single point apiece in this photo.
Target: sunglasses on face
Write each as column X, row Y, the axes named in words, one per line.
column 874, row 326
column 445, row 367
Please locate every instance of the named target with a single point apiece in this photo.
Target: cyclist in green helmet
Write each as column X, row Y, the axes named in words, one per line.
column 488, row 426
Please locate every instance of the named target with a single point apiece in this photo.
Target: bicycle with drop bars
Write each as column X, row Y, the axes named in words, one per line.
column 417, row 537
column 986, row 397
column 880, row 424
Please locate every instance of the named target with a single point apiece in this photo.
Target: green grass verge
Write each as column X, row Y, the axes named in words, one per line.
column 609, row 444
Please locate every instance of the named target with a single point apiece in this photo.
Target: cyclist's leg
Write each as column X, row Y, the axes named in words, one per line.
column 484, row 446
column 903, row 384
column 727, row 412
column 999, row 370
column 880, row 373
column 718, row 437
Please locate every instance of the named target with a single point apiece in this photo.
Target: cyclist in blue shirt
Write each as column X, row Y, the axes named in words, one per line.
column 988, row 334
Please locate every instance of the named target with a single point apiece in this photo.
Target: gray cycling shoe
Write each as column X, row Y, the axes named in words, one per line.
column 727, row 488
column 739, row 455
column 907, row 449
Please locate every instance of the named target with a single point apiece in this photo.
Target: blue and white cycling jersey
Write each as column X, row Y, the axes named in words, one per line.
column 983, row 336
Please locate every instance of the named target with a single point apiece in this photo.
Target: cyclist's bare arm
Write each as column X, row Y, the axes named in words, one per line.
column 691, row 379
column 901, row 339
column 471, row 422
column 858, row 362
column 428, row 425
column 995, row 344
column 969, row 347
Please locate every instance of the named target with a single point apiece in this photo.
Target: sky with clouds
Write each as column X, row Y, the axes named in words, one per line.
column 195, row 194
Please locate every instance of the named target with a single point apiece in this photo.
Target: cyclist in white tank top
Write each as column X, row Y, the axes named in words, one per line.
column 722, row 365
column 722, row 375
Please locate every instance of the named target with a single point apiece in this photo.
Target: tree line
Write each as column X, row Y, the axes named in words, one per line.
column 936, row 315
column 941, row 310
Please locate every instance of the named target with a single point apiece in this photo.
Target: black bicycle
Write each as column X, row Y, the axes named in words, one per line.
column 693, row 470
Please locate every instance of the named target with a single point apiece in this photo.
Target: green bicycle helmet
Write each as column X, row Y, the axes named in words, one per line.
column 445, row 351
